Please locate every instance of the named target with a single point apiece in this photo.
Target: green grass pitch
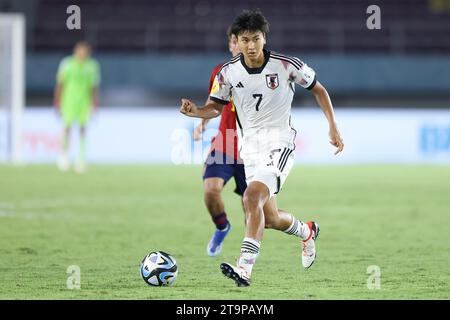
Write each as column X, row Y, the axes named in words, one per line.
column 106, row 221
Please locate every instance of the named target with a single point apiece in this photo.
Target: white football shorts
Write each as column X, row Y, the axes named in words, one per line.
column 271, row 167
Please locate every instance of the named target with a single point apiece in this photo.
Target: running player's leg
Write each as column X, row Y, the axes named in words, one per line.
column 276, row 218
column 266, row 181
column 281, row 220
column 213, row 188
column 286, row 222
column 255, row 196
column 216, row 175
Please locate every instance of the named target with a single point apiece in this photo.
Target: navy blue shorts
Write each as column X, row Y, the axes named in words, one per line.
column 218, row 165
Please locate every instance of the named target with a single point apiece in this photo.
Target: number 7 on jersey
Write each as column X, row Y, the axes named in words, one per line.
column 259, row 96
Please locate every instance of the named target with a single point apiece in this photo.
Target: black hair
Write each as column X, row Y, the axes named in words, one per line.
column 250, row 20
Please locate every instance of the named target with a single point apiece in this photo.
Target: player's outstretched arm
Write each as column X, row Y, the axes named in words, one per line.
column 323, row 99
column 209, row 111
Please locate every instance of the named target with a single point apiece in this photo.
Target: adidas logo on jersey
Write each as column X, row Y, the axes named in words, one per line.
column 239, row 85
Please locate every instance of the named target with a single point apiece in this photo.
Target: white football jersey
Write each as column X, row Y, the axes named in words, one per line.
column 262, row 96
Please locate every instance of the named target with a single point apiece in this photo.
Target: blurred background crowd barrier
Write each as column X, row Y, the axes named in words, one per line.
column 394, row 81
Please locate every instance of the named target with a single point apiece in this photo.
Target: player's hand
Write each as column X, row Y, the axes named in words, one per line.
column 197, row 134
column 336, row 140
column 188, row 108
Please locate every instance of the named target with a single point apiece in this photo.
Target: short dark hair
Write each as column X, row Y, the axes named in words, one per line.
column 250, row 20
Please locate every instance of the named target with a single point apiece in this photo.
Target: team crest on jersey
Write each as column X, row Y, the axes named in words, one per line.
column 272, row 80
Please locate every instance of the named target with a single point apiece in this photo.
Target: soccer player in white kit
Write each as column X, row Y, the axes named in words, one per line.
column 262, row 86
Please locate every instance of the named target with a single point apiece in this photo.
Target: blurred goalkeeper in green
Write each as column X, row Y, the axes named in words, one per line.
column 76, row 94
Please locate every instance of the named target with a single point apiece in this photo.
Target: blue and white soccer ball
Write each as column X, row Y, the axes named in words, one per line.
column 159, row 269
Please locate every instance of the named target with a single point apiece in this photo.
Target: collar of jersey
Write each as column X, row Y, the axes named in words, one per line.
column 256, row 70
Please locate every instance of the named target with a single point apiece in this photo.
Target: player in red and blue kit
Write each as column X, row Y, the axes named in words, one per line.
column 222, row 164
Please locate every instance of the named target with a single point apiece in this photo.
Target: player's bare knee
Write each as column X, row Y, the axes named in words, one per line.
column 212, row 192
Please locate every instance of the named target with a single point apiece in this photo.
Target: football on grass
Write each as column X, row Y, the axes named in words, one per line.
column 159, row 269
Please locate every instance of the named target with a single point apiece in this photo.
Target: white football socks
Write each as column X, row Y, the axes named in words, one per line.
column 298, row 228
column 249, row 253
